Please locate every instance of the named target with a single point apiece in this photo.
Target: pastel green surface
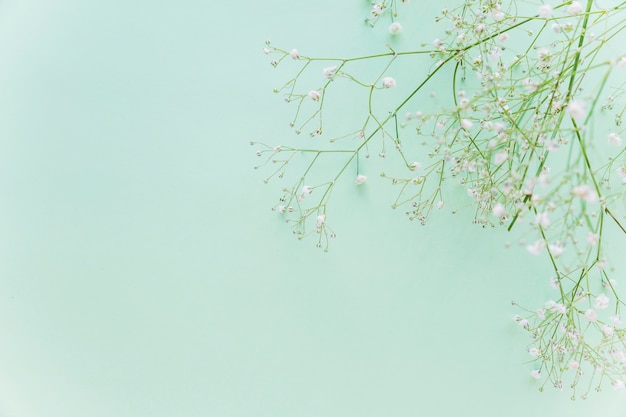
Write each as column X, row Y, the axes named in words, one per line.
column 142, row 272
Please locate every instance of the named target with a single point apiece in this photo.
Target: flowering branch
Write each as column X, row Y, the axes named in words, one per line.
column 530, row 90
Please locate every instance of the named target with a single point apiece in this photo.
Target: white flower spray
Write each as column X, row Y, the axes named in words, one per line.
column 517, row 134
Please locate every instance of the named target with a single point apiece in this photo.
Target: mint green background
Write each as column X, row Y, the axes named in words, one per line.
column 142, row 272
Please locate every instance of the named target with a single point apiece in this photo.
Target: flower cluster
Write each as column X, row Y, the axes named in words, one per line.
column 518, row 133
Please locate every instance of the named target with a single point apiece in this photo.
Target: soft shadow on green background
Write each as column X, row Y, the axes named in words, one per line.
column 142, row 272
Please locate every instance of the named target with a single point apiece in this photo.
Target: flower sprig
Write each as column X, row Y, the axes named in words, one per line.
column 523, row 129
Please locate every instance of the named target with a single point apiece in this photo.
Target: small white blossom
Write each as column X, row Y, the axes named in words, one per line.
column 281, row 209
column 591, row 315
column 321, row 219
column 536, row 248
column 545, row 11
column 329, row 72
column 560, row 308
column 535, row 373
column 389, row 82
column 542, row 219
column 618, row 384
column 533, row 351
column 294, row 54
column 307, row 189
column 497, row 14
column 556, row 249
column 541, row 313
column 524, row 323
column 618, row 355
column 573, row 364
column 592, row 238
column 616, row 320
column 585, row 192
column 614, row 139
column 530, row 85
column 314, row 95
column 360, row 179
column 556, row 28
column 466, row 124
column 554, row 283
column 501, row 157
column 498, row 210
column 415, row 166
column 577, row 109
column 544, row 56
column 394, row 28
column 602, row 302
column 621, row 63
column 440, row 205
column 575, row 8
column 608, row 330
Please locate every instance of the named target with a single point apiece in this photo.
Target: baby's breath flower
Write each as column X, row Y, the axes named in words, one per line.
column 501, row 157
column 314, row 95
column 577, row 109
column 544, row 56
column 530, row 85
column 607, row 330
column 542, row 219
column 497, row 14
column 614, row 139
column 498, row 210
column 415, row 166
column 389, row 82
column 575, row 8
column 466, row 124
column 306, row 190
column 535, row 373
column 602, row 302
column 329, row 72
column 556, row 249
column 395, row 28
column 536, row 248
column 360, row 179
column 545, row 11
column 294, row 54
column 321, row 219
column 592, row 238
column 591, row 315
column 585, row 192
column 533, row 351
